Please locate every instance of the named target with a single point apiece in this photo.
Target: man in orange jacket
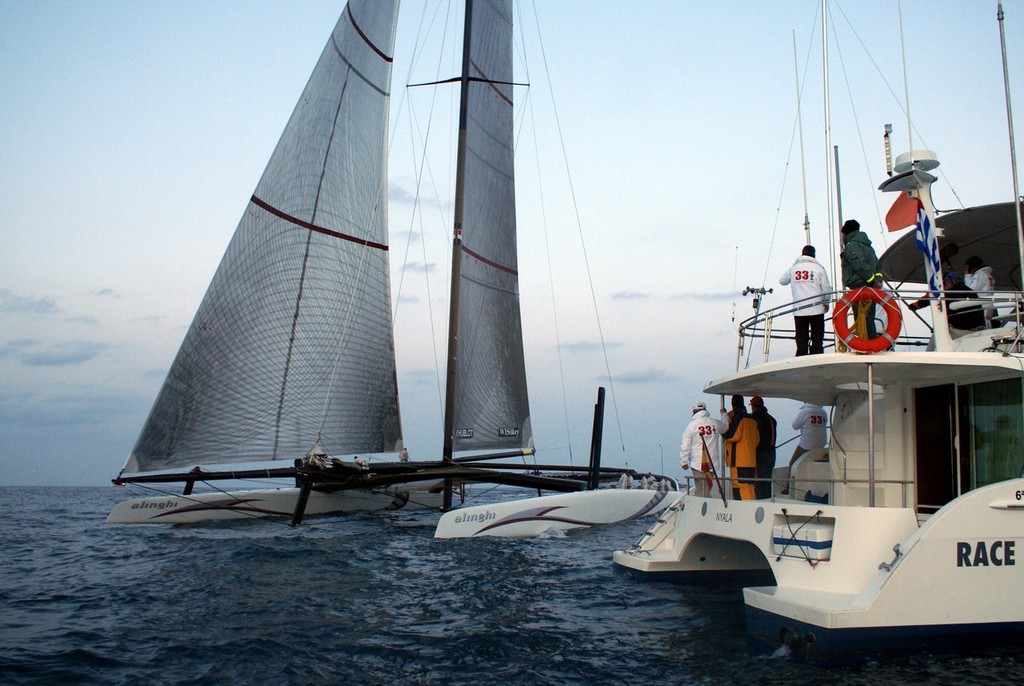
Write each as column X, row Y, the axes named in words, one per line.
column 741, row 440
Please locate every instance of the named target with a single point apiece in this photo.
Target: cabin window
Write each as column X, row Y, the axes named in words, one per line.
column 993, row 427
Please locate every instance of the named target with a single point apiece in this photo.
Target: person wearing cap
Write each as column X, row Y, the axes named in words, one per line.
column 740, row 440
column 810, row 286
column 701, row 431
column 960, row 320
column 978, row 277
column 860, row 268
column 766, row 432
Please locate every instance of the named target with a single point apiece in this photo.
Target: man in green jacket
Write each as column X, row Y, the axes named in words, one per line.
column 860, row 268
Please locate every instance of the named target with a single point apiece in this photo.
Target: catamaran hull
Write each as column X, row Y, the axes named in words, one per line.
column 768, row 631
column 276, row 502
column 853, row 580
column 560, row 512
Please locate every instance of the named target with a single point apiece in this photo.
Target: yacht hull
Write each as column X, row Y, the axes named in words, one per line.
column 852, row 580
column 275, row 502
column 560, row 512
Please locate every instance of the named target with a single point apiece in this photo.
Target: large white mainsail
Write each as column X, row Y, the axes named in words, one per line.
column 488, row 406
column 293, row 340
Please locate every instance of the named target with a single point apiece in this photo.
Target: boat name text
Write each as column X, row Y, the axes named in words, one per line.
column 484, row 516
column 724, row 517
column 984, row 554
column 157, row 505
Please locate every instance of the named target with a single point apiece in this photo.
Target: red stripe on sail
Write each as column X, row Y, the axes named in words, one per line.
column 489, row 82
column 313, row 227
column 489, row 263
column 366, row 39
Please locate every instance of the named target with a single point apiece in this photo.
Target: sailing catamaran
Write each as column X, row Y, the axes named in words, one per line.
column 291, row 353
column 905, row 532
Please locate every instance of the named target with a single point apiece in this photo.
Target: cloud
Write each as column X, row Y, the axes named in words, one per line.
column 643, row 376
column 407, row 298
column 9, row 302
column 586, row 346
column 35, row 353
column 82, row 319
column 726, row 295
column 421, row 267
column 108, row 293
column 64, row 410
column 398, row 193
column 638, row 295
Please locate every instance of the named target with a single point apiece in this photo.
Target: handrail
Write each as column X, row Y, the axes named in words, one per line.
column 764, row 325
column 904, row 485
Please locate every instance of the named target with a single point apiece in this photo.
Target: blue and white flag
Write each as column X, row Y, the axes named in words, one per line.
column 927, row 243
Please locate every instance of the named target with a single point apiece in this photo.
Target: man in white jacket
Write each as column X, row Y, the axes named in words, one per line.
column 702, row 426
column 978, row 277
column 810, row 286
column 811, row 421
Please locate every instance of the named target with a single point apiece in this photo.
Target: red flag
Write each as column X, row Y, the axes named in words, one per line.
column 705, row 463
column 903, row 213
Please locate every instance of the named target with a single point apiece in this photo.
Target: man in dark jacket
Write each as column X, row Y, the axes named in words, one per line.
column 860, row 268
column 960, row 319
column 766, row 428
column 740, row 440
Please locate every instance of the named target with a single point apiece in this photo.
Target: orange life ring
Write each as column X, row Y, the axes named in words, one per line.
column 883, row 341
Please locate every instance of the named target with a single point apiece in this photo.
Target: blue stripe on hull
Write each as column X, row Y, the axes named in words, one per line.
column 801, row 543
column 768, row 631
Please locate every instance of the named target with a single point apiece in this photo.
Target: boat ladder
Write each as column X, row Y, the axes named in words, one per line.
column 661, row 528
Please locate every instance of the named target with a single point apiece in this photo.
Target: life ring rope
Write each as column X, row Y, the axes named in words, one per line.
column 886, row 339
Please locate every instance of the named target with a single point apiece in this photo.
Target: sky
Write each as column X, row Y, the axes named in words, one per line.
column 659, row 174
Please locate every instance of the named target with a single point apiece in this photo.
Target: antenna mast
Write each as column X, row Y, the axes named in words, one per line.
column 829, row 168
column 1013, row 146
column 800, row 127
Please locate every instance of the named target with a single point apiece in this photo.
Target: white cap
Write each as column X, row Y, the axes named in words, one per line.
column 699, row 406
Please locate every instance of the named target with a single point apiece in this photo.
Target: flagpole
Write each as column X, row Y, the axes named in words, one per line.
column 1013, row 147
column 714, row 471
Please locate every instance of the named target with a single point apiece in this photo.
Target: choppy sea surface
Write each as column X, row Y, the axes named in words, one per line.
column 373, row 598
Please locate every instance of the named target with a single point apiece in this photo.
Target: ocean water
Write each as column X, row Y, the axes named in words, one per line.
column 369, row 599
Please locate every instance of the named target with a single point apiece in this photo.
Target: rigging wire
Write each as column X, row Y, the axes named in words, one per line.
column 379, row 205
column 419, row 137
column 860, row 135
column 579, row 227
column 347, row 323
column 797, row 129
column 547, row 249
column 896, row 98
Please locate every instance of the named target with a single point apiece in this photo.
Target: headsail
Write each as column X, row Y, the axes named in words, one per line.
column 490, row 401
column 293, row 339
